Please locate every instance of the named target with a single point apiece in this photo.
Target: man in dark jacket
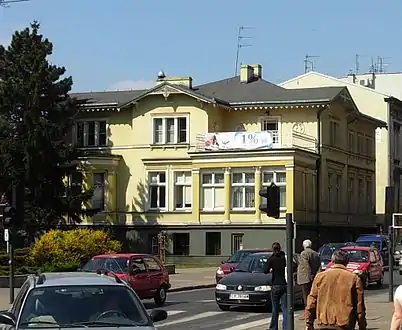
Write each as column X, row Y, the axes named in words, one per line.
column 276, row 265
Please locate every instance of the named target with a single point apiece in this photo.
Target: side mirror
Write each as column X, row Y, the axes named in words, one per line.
column 8, row 318
column 158, row 315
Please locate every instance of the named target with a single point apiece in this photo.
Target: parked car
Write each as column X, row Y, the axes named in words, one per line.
column 78, row 300
column 379, row 242
column 247, row 285
column 366, row 262
column 326, row 251
column 144, row 273
column 398, row 252
column 230, row 264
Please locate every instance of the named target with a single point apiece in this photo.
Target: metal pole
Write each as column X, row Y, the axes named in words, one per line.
column 391, row 265
column 289, row 251
column 11, row 248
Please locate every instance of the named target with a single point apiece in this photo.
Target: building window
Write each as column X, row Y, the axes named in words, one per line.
column 243, row 190
column 98, row 197
column 369, row 194
column 157, row 190
column 352, row 142
column 330, row 193
column 170, row 130
column 153, row 244
column 369, row 147
column 351, row 194
column 182, row 190
column 279, row 179
column 272, row 125
column 361, row 200
column 213, row 243
column 91, row 133
column 181, row 244
column 397, row 131
column 338, row 195
column 213, row 194
column 334, row 133
column 360, row 144
column 237, row 242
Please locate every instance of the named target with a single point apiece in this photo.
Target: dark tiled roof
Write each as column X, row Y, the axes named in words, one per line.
column 117, row 97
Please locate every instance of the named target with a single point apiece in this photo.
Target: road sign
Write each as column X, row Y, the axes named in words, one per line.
column 6, row 235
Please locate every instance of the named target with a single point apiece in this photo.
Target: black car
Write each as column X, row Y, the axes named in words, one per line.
column 326, row 251
column 247, row 285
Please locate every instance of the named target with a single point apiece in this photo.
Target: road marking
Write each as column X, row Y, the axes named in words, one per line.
column 249, row 325
column 189, row 319
column 207, row 301
column 171, row 313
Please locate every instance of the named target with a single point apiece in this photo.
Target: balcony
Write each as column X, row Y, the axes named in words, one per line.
column 264, row 140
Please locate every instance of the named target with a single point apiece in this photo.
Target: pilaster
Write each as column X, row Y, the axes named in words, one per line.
column 290, row 188
column 228, row 195
column 257, row 197
column 196, row 195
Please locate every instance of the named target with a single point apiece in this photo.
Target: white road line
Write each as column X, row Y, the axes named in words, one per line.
column 171, row 313
column 189, row 319
column 249, row 325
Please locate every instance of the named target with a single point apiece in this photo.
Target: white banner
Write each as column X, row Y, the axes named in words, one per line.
column 237, row 140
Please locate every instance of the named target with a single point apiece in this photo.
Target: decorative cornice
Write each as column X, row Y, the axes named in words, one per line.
column 273, row 107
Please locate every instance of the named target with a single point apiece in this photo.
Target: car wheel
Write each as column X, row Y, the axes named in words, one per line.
column 161, row 295
column 224, row 308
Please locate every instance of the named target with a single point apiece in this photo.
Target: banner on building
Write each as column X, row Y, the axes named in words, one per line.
column 238, row 140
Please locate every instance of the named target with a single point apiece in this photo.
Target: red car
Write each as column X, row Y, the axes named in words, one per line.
column 229, row 265
column 366, row 262
column 143, row 272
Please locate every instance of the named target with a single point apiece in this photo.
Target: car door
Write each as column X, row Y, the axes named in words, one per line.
column 16, row 307
column 379, row 264
column 374, row 273
column 155, row 274
column 138, row 276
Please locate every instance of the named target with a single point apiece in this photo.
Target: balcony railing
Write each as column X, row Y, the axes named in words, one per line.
column 264, row 140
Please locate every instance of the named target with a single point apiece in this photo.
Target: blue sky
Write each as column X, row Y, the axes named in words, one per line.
column 124, row 43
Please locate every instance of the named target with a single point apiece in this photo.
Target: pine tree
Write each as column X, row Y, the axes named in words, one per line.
column 36, row 118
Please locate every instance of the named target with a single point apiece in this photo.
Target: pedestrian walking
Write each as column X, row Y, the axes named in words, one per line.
column 336, row 299
column 276, row 265
column 396, row 322
column 309, row 265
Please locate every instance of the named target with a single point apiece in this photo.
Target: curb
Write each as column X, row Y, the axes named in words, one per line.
column 192, row 287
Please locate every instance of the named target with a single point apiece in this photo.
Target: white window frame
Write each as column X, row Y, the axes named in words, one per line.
column 86, row 121
column 278, row 120
column 105, row 186
column 158, row 184
column 242, row 185
column 182, row 185
column 213, row 186
column 164, row 118
column 279, row 184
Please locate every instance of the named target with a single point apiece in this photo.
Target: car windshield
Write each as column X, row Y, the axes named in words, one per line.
column 358, row 256
column 239, row 256
column 326, row 251
column 82, row 306
column 372, row 244
column 254, row 263
column 116, row 265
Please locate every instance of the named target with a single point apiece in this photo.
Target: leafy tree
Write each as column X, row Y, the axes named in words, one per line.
column 36, row 117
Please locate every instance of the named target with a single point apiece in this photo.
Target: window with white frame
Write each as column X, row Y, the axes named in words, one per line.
column 213, row 191
column 334, row 131
column 99, row 191
column 182, row 190
column 272, row 125
column 243, row 190
column 157, row 190
column 91, row 133
column 278, row 177
column 170, row 130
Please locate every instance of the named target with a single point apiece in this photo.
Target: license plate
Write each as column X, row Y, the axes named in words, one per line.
column 239, row 296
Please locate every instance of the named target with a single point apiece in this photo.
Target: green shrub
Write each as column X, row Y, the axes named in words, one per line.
column 58, row 249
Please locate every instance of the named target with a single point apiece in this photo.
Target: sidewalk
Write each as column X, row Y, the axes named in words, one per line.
column 379, row 313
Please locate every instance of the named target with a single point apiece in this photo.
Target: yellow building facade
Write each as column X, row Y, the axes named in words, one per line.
column 191, row 160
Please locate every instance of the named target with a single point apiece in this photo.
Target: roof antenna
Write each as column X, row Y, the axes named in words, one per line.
column 241, row 44
column 309, row 63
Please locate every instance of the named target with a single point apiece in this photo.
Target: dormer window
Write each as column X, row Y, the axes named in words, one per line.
column 170, row 130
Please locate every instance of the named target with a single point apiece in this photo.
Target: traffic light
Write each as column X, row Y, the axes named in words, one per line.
column 271, row 207
column 9, row 214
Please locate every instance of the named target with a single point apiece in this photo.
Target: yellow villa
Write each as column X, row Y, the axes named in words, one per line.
column 190, row 160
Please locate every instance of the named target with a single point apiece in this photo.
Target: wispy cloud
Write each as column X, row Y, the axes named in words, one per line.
column 132, row 84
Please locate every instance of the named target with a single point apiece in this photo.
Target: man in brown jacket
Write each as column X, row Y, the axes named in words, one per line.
column 336, row 298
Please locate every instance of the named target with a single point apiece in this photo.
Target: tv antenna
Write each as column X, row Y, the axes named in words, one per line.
column 357, row 63
column 241, row 43
column 381, row 63
column 309, row 64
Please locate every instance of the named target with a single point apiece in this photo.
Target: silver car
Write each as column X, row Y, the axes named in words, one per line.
column 78, row 300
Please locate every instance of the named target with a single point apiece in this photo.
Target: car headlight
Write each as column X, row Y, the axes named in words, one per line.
column 357, row 272
column 220, row 287
column 219, row 271
column 263, row 288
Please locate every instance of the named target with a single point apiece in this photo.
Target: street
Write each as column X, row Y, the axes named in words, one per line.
column 197, row 310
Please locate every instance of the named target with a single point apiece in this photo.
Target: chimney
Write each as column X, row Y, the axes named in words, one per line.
column 246, row 73
column 257, row 70
column 183, row 81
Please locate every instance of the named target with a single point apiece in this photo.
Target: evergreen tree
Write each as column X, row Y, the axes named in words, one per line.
column 36, row 118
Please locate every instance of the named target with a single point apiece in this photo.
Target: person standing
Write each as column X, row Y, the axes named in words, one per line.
column 336, row 299
column 276, row 265
column 309, row 265
column 396, row 322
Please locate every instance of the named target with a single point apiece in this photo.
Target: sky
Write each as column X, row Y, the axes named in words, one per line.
column 123, row 44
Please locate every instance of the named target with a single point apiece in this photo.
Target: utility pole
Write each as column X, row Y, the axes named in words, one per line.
column 241, row 44
column 309, row 64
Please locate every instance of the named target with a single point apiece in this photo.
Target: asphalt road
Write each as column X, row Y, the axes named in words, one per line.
column 197, row 310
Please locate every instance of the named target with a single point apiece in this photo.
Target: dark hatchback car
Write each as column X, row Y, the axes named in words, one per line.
column 326, row 251
column 248, row 286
